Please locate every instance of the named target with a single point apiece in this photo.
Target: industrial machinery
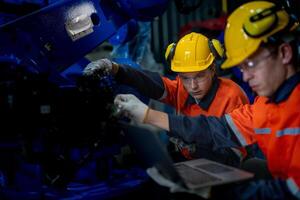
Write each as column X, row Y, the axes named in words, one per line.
column 59, row 138
column 58, row 134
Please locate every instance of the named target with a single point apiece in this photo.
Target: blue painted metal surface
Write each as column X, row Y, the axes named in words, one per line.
column 60, row 34
column 57, row 36
column 125, row 33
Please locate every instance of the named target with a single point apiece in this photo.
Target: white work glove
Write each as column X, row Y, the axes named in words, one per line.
column 100, row 68
column 131, row 107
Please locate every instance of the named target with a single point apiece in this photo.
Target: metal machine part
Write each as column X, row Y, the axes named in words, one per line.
column 58, row 127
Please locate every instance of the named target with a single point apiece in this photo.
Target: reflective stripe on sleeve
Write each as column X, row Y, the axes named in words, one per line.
column 262, row 130
column 293, row 187
column 288, row 131
column 235, row 130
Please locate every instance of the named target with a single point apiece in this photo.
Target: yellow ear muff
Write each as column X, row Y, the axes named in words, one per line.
column 261, row 23
column 216, row 48
column 170, row 52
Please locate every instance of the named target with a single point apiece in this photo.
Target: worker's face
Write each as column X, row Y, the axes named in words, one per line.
column 264, row 72
column 197, row 84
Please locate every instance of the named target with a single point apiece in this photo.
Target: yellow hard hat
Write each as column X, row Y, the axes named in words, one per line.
column 193, row 53
column 250, row 25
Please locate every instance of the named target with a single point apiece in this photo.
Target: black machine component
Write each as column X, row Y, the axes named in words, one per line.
column 45, row 122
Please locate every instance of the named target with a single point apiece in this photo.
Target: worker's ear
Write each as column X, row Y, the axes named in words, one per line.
column 286, row 53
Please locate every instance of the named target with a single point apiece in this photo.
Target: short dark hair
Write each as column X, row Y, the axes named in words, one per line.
column 273, row 47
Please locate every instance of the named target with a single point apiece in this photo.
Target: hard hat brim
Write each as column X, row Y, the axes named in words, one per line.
column 190, row 68
column 229, row 63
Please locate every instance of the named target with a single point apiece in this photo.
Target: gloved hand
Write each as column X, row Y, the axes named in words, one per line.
column 100, row 68
column 131, row 107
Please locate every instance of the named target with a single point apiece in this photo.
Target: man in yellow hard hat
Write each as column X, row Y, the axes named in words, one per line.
column 261, row 38
column 196, row 90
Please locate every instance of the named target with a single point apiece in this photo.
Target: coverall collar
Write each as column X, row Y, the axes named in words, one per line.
column 205, row 102
column 284, row 91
